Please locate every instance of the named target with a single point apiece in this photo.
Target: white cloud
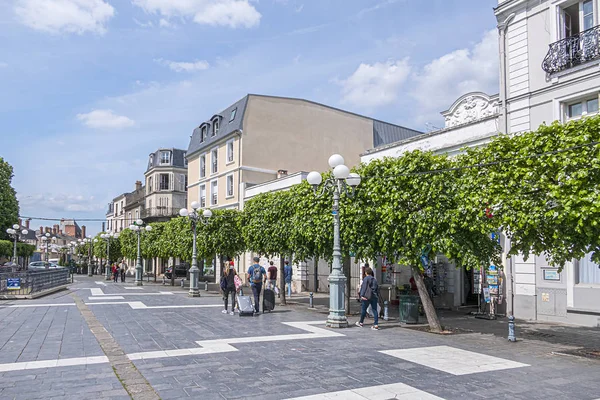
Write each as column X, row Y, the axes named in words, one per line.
column 448, row 77
column 230, row 13
column 374, row 85
column 105, row 119
column 3, row 64
column 61, row 203
column 139, row 23
column 163, row 23
column 183, row 66
column 65, row 16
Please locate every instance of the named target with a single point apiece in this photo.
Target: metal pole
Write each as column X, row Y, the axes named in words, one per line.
column 90, row 272
column 194, row 271
column 15, row 249
column 337, row 280
column 138, row 267
column 107, row 259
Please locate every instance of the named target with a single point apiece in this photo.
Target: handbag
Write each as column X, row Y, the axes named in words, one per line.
column 238, row 283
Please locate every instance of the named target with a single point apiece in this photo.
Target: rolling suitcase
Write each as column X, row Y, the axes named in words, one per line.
column 268, row 300
column 245, row 306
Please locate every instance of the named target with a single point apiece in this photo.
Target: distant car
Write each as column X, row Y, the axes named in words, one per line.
column 42, row 265
column 180, row 271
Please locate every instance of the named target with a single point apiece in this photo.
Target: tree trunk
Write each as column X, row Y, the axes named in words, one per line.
column 316, row 260
column 432, row 318
column 282, row 280
column 173, row 274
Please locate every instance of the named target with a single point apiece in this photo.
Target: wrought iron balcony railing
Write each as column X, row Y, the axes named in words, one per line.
column 159, row 212
column 572, row 51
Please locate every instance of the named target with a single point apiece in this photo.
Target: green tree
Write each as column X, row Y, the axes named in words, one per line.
column 128, row 243
column 221, row 235
column 9, row 206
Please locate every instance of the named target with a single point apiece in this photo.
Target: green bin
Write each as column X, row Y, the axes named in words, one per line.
column 409, row 309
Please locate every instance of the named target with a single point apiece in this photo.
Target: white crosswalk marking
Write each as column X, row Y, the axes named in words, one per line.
column 453, row 361
column 97, row 292
column 106, row 298
column 133, row 288
column 383, row 392
column 100, row 283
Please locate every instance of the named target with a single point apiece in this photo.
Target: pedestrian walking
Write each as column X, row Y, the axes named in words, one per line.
column 287, row 276
column 122, row 272
column 228, row 286
column 257, row 276
column 115, row 272
column 369, row 296
column 272, row 272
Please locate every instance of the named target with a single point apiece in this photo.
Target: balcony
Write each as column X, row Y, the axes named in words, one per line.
column 572, row 51
column 160, row 212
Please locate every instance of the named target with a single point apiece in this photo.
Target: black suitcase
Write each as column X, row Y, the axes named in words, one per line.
column 268, row 300
column 245, row 306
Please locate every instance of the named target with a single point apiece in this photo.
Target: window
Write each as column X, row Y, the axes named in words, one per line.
column 582, row 108
column 129, row 217
column 184, row 181
column 230, row 151
column 202, row 196
column 588, row 271
column 185, row 162
column 587, row 9
column 229, row 185
column 149, row 204
column 116, row 209
column 215, row 127
column 203, row 134
column 164, row 181
column 233, row 112
column 149, row 185
column 202, row 165
column 137, row 214
column 577, row 18
column 214, row 159
column 165, row 157
column 214, row 193
column 151, row 159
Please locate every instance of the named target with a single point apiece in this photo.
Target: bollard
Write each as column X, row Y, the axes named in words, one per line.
column 310, row 301
column 182, row 282
column 511, row 329
column 206, row 286
column 164, row 281
column 386, row 315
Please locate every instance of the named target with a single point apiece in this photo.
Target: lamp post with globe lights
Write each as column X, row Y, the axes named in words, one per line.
column 88, row 241
column 343, row 181
column 138, row 227
column 194, row 218
column 108, row 237
column 46, row 240
column 14, row 231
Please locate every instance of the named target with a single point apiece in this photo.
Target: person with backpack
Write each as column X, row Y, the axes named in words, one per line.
column 228, row 286
column 257, row 276
column 369, row 295
column 287, row 275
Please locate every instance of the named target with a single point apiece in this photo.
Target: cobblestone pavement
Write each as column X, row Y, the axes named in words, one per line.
column 185, row 347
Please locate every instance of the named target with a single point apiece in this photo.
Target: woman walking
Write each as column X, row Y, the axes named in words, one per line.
column 228, row 286
column 369, row 295
column 115, row 271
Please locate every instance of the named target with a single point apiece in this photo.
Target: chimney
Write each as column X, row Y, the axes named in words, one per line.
column 27, row 223
column 55, row 229
column 47, row 229
column 83, row 231
column 20, row 222
column 281, row 173
column 41, row 230
column 60, row 232
column 138, row 185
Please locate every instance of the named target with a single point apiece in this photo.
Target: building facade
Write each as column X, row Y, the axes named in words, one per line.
column 550, row 58
column 260, row 138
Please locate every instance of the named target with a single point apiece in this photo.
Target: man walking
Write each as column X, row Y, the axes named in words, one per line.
column 272, row 271
column 287, row 275
column 257, row 276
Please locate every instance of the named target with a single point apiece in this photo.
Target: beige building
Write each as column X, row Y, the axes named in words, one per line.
column 262, row 138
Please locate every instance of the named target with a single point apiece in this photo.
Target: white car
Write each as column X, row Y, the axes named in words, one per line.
column 42, row 265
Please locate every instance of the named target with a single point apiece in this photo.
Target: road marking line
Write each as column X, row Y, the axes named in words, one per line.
column 453, row 361
column 37, row 305
column 64, row 362
column 107, row 298
column 225, row 345
column 394, row 391
column 132, row 288
column 96, row 292
column 100, row 283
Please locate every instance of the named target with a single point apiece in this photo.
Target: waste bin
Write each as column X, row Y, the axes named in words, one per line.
column 409, row 309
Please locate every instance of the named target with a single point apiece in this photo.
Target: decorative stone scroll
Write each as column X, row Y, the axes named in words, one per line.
column 471, row 107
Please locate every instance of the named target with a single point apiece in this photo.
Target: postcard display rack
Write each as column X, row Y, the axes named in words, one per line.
column 489, row 283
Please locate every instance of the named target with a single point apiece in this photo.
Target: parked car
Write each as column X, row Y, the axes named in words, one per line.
column 42, row 265
column 180, row 271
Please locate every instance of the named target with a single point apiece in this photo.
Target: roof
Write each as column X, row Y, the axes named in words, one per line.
column 177, row 159
column 226, row 127
column 383, row 132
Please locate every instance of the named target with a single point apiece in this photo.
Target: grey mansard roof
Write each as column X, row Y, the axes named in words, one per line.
column 177, row 159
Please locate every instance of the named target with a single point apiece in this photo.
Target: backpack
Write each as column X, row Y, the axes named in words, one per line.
column 223, row 283
column 257, row 275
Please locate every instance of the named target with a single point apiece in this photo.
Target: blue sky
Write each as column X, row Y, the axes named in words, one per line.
column 91, row 87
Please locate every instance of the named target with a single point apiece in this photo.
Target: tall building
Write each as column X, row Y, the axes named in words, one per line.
column 259, row 138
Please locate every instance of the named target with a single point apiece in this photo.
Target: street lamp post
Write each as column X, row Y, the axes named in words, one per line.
column 88, row 241
column 46, row 240
column 137, row 227
column 195, row 218
column 108, row 237
column 342, row 181
column 14, row 231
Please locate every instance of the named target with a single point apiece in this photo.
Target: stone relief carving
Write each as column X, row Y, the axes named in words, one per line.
column 471, row 108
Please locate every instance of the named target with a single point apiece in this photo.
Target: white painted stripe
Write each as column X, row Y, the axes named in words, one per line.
column 100, row 283
column 382, row 392
column 107, row 298
column 166, row 292
column 133, row 288
column 38, row 305
column 183, row 306
column 133, row 294
column 104, row 303
column 65, row 362
column 97, row 292
column 452, row 360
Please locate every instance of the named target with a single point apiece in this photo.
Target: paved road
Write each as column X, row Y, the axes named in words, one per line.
column 114, row 341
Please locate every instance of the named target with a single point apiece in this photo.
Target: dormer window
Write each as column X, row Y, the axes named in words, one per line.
column 151, row 160
column 203, row 132
column 233, row 112
column 165, row 157
column 215, row 127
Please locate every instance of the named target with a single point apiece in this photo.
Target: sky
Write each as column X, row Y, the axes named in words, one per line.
column 89, row 88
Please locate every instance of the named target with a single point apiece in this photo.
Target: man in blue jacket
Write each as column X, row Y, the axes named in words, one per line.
column 287, row 275
column 256, row 276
